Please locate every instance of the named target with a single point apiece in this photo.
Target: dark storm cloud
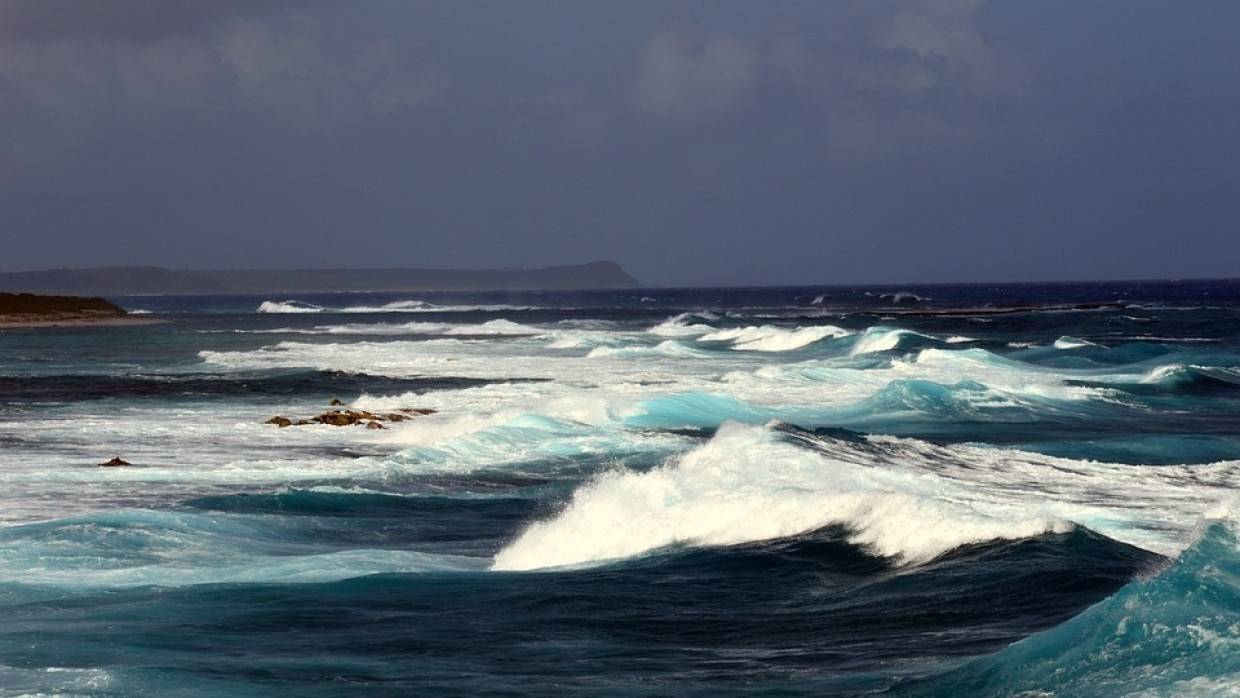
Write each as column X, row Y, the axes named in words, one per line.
column 132, row 20
column 696, row 142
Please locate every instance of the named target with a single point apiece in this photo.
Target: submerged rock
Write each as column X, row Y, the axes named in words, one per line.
column 115, row 462
column 374, row 425
column 279, row 421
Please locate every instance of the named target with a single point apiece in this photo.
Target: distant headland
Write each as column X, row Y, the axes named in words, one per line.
column 19, row 310
column 113, row 281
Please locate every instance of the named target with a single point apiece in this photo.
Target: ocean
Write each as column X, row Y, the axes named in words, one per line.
column 958, row 490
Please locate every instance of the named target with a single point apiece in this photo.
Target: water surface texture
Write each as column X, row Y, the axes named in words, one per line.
column 925, row 491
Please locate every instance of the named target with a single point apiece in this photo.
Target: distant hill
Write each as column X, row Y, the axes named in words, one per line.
column 112, row 281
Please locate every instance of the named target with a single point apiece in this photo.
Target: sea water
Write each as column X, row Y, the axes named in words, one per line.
column 932, row 491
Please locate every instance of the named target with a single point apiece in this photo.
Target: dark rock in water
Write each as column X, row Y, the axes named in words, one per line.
column 115, row 462
column 344, row 418
column 336, row 402
column 340, row 418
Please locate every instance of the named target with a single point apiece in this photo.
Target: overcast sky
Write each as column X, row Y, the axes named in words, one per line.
column 711, row 142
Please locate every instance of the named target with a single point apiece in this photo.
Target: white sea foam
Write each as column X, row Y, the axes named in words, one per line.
column 771, row 338
column 288, row 307
column 416, row 306
column 394, row 307
column 683, row 325
column 1072, row 343
column 668, row 348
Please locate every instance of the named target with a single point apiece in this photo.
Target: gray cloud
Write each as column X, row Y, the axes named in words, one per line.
column 707, row 141
column 681, row 77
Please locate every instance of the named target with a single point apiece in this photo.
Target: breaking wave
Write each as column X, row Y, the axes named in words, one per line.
column 748, row 485
column 876, row 339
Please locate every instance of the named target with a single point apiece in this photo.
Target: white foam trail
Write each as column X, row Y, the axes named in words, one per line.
column 903, row 296
column 682, row 325
column 288, row 307
column 491, row 327
column 1072, row 343
column 407, row 306
column 668, row 348
column 394, row 307
column 771, row 338
column 959, row 339
column 585, row 339
column 417, row 306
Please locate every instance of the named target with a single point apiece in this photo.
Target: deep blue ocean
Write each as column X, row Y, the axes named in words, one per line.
column 971, row 490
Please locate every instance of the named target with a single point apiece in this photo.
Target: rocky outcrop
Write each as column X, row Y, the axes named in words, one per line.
column 28, row 307
column 114, row 463
column 345, row 418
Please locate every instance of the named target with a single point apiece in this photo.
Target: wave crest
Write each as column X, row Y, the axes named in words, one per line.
column 747, row 484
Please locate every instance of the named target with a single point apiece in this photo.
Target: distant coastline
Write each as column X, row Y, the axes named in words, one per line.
column 114, row 281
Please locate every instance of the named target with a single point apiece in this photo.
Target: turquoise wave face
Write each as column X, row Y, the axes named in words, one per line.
column 1176, row 633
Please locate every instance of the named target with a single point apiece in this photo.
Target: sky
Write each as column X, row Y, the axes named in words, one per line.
column 696, row 142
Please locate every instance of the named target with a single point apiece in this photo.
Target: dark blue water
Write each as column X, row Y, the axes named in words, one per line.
column 939, row 491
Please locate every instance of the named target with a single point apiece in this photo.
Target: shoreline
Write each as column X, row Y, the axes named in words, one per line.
column 10, row 322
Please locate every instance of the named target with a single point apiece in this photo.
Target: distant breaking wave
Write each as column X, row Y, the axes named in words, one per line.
column 409, row 306
column 288, row 307
column 769, row 338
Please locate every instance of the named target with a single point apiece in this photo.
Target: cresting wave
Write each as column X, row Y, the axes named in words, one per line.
column 752, row 484
column 901, row 499
column 749, row 485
